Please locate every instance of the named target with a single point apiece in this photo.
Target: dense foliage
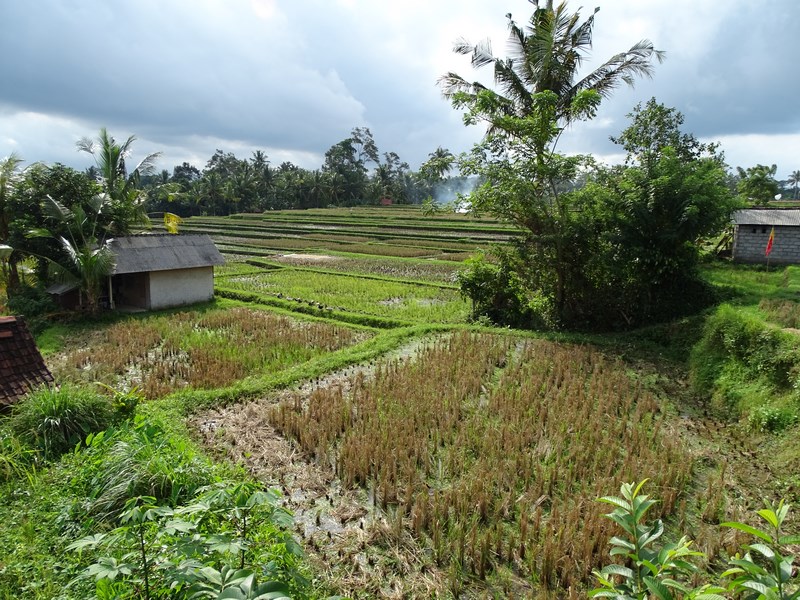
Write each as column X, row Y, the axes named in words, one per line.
column 618, row 252
column 354, row 172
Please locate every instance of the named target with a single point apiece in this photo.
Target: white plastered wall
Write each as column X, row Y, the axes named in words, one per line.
column 181, row 286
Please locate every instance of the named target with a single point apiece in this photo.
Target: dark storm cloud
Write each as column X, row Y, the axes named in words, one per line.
column 169, row 73
column 295, row 77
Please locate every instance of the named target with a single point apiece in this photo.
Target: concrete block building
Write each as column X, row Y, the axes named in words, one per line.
column 752, row 228
column 163, row 270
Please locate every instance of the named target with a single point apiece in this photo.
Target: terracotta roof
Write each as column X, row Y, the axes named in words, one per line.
column 163, row 252
column 22, row 367
column 766, row 216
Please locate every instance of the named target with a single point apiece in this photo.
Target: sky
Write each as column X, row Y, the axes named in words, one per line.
column 294, row 77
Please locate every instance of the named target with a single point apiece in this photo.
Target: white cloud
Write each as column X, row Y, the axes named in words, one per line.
column 749, row 150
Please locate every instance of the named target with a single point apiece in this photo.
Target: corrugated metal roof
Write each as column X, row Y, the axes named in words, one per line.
column 765, row 216
column 164, row 252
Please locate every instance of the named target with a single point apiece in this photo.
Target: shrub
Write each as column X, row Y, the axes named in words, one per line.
column 497, row 293
column 740, row 352
column 54, row 420
column 771, row 418
column 32, row 303
column 666, row 572
column 200, row 550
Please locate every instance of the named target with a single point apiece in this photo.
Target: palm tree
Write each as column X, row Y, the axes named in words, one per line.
column 122, row 188
column 546, row 55
column 9, row 176
column 440, row 162
column 794, row 181
column 85, row 261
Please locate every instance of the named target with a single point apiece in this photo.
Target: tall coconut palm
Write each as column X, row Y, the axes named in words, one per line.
column 122, row 187
column 794, row 181
column 546, row 55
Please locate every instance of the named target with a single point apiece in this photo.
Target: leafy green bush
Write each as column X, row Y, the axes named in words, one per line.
column 497, row 293
column 666, row 572
column 647, row 568
column 53, row 420
column 32, row 303
column 771, row 419
column 200, row 550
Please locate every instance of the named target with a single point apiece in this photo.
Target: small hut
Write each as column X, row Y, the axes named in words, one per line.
column 752, row 231
column 157, row 271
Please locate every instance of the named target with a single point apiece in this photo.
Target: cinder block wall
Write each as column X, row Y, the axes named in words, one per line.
column 750, row 244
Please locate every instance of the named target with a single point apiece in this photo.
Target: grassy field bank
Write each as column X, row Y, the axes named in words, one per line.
column 420, row 454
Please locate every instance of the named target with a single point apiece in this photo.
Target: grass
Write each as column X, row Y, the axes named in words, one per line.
column 381, row 298
column 493, row 452
column 188, row 349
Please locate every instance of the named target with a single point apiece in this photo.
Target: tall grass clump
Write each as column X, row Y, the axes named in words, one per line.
column 15, row 457
column 491, row 451
column 134, row 458
column 53, row 420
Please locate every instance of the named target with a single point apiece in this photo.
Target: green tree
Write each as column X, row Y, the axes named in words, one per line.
column 540, row 94
column 71, row 187
column 651, row 216
column 440, row 162
column 87, row 259
column 794, row 181
column 758, row 184
column 344, row 160
column 123, row 188
column 10, row 176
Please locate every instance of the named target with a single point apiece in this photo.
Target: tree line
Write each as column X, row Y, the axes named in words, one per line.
column 354, row 172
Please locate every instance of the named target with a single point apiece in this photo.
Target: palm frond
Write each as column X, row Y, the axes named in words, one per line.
column 623, row 67
column 54, row 209
column 148, row 164
column 85, row 145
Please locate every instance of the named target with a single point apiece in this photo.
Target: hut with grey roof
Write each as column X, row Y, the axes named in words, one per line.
column 162, row 270
column 752, row 229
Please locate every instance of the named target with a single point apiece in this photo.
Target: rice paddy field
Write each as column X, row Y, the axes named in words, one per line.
column 422, row 456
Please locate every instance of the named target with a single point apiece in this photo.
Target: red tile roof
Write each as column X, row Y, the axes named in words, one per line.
column 22, row 367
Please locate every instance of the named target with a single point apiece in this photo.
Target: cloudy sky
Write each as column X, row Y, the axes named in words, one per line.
column 293, row 77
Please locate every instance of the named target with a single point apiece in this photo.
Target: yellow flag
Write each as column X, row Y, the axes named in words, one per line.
column 171, row 222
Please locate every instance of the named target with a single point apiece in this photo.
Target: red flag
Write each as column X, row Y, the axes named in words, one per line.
column 769, row 242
